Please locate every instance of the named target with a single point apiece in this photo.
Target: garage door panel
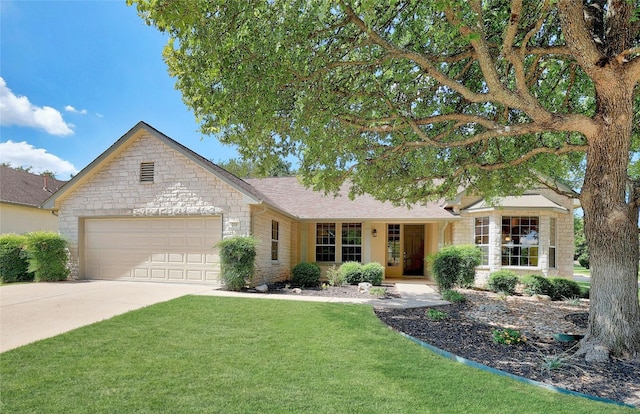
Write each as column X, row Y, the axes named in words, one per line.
column 166, row 249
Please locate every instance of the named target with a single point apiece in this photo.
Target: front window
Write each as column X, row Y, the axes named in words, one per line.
column 325, row 242
column 275, row 238
column 520, row 241
column 352, row 242
column 552, row 243
column 481, row 237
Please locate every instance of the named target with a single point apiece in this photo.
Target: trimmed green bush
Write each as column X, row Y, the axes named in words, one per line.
column 564, row 288
column 455, row 266
column 306, row 275
column 352, row 272
column 237, row 261
column 373, row 273
column 13, row 260
column 583, row 259
column 503, row 281
column 536, row 285
column 47, row 256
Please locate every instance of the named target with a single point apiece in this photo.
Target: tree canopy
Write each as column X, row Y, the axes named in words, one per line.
column 410, row 100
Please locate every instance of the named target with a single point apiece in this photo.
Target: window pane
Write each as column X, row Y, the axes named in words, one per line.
column 325, row 242
column 393, row 245
column 481, row 238
column 520, row 241
column 352, row 242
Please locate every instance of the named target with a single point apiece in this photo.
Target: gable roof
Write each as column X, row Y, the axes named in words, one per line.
column 24, row 188
column 288, row 194
column 224, row 175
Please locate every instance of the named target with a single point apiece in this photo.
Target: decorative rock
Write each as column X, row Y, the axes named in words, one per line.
column 263, row 288
column 363, row 287
column 297, row 291
column 492, row 308
column 543, row 298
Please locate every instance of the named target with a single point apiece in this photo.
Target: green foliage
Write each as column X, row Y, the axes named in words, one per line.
column 13, row 260
column 536, row 285
column 377, row 291
column 583, row 259
column 503, row 281
column 237, row 261
column 246, row 169
column 435, row 314
column 352, row 272
column 306, row 275
column 47, row 256
column 453, row 296
column 455, row 266
column 579, row 239
column 564, row 288
column 335, row 277
column 373, row 273
column 508, row 336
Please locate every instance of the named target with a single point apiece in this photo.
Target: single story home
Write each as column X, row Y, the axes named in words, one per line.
column 149, row 208
column 21, row 194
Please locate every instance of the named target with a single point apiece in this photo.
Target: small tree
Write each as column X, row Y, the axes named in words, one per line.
column 237, row 260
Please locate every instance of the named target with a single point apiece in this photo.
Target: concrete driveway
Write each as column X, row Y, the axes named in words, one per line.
column 34, row 311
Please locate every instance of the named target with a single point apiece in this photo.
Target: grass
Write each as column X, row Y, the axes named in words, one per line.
column 212, row 354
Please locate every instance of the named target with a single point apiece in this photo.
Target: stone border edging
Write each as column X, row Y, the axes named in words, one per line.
column 483, row 367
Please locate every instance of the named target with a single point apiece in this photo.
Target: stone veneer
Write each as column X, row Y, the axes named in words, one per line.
column 180, row 188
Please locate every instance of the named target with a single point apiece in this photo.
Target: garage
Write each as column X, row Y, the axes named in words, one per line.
column 167, row 249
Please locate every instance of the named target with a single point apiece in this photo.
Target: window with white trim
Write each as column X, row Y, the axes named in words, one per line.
column 520, row 241
column 351, row 242
column 393, row 245
column 325, row 242
column 275, row 239
column 481, row 237
column 552, row 242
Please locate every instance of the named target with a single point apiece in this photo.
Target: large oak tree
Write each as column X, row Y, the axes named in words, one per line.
column 410, row 100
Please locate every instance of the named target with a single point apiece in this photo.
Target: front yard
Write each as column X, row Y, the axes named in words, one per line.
column 213, row 354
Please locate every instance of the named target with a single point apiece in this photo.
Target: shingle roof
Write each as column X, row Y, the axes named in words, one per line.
column 526, row 202
column 22, row 187
column 288, row 194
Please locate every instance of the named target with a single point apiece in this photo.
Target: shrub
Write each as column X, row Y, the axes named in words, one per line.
column 453, row 296
column 352, row 272
column 47, row 256
column 237, row 260
column 306, row 275
column 13, row 260
column 583, row 259
column 564, row 288
column 455, row 266
column 334, row 277
column 536, row 285
column 373, row 273
column 507, row 336
column 504, row 281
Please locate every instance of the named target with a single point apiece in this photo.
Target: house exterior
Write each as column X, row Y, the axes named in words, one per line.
column 21, row 194
column 149, row 208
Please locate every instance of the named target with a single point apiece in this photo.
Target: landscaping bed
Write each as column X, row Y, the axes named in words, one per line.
column 467, row 332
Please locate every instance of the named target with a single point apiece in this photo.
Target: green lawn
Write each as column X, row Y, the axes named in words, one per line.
column 211, row 354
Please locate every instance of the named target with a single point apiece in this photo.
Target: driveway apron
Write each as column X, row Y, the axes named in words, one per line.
column 34, row 311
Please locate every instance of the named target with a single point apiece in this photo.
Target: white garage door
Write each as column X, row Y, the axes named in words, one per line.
column 155, row 249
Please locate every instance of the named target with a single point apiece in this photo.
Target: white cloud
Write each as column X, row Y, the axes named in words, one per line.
column 17, row 110
column 22, row 154
column 70, row 108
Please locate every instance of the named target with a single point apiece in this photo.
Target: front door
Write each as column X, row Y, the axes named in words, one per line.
column 413, row 250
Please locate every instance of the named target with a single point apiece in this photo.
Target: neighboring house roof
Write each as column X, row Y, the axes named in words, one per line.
column 524, row 202
column 24, row 188
column 288, row 194
column 221, row 173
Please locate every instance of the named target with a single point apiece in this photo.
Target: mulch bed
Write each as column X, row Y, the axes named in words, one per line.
column 536, row 359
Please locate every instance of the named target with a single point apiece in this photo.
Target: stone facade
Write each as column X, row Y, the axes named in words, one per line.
column 180, row 188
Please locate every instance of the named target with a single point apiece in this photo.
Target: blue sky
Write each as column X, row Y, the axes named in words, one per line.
column 75, row 76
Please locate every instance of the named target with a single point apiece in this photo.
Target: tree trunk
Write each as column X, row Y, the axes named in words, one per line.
column 611, row 230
